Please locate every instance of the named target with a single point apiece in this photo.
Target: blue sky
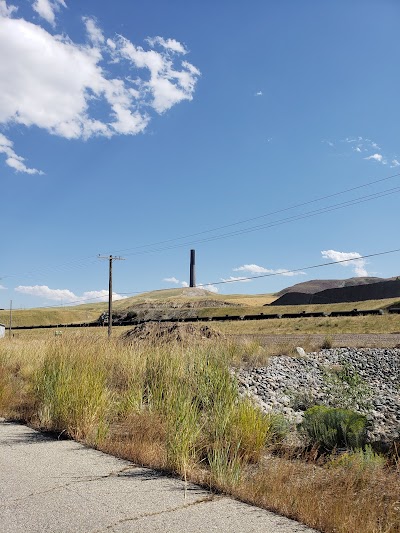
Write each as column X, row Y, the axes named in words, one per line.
column 133, row 123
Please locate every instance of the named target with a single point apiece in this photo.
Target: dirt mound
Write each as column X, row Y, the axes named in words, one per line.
column 170, row 332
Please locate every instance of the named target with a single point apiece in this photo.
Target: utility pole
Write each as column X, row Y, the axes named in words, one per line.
column 10, row 324
column 110, row 258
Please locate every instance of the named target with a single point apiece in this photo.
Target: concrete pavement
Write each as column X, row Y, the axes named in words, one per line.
column 60, row 486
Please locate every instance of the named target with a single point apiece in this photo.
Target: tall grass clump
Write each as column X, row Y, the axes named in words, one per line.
column 193, row 394
column 177, row 407
column 71, row 390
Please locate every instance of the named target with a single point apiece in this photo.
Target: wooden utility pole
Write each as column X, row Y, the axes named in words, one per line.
column 10, row 328
column 110, row 258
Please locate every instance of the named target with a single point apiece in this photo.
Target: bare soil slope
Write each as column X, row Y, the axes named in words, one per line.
column 355, row 293
column 318, row 285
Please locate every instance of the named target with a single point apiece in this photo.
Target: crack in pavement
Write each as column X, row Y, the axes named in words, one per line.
column 206, row 499
column 67, row 485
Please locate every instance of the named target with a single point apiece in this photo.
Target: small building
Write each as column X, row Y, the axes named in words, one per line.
column 2, row 331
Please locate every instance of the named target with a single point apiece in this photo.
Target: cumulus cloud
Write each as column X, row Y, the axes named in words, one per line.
column 211, row 288
column 166, row 86
column 6, row 11
column 351, row 258
column 176, row 281
column 172, row 280
column 65, row 295
column 93, row 31
column 101, row 295
column 256, row 269
column 47, row 9
column 12, row 159
column 395, row 163
column 68, row 89
column 2, row 288
column 259, row 93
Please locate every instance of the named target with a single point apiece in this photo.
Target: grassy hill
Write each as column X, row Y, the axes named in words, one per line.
column 185, row 302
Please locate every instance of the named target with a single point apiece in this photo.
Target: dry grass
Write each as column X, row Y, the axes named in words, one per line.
column 178, row 409
column 341, row 500
column 323, row 326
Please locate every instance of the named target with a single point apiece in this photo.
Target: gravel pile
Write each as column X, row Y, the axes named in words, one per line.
column 365, row 380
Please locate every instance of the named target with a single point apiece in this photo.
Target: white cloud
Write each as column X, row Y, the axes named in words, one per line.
column 329, row 143
column 395, row 163
column 94, row 32
column 47, row 9
column 234, row 279
column 362, row 145
column 50, row 82
column 259, row 93
column 166, row 85
column 184, row 284
column 255, row 269
column 211, row 288
column 172, row 280
column 65, row 295
column 375, row 157
column 169, row 44
column 101, row 295
column 2, row 288
column 351, row 258
column 12, row 159
column 6, row 11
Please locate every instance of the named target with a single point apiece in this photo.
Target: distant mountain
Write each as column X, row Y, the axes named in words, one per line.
column 318, row 285
column 389, row 288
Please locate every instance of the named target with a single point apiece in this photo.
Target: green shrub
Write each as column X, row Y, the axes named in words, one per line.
column 331, row 428
column 359, row 460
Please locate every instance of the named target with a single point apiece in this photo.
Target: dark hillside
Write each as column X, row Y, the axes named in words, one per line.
column 318, row 285
column 355, row 293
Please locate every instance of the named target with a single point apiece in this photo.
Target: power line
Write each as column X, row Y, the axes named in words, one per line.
column 271, row 274
column 302, row 204
column 320, row 211
column 245, row 278
column 86, row 261
column 70, row 265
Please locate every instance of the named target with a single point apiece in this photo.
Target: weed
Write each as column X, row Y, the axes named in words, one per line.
column 327, row 343
column 331, row 428
column 346, row 387
column 359, row 459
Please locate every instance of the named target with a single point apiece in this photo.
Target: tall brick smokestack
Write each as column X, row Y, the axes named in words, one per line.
column 192, row 268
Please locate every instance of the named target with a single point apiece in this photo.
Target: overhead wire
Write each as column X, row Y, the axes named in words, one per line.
column 286, row 272
column 243, row 278
column 282, row 210
column 86, row 261
column 335, row 207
